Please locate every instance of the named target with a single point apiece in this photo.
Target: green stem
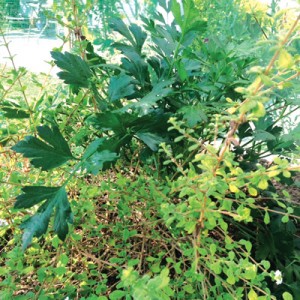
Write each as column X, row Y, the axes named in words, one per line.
column 16, row 70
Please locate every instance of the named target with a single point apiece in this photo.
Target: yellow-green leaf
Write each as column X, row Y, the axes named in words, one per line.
column 252, row 191
column 232, row 110
column 231, row 279
column 259, row 110
column 263, row 184
column 285, row 219
column 285, row 59
column 247, row 105
column 252, row 295
column 267, row 218
column 287, row 296
column 273, row 173
column 233, row 188
column 266, row 80
column 286, row 174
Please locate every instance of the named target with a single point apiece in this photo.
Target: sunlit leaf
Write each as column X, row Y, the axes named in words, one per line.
column 252, row 295
column 285, row 59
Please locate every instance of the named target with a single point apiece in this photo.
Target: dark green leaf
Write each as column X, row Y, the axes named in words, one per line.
column 164, row 47
column 120, row 87
column 156, row 65
column 134, row 34
column 264, row 123
column 100, row 154
column 262, row 135
column 139, row 37
column 92, row 148
column 50, row 152
column 75, row 70
column 152, row 140
column 14, row 111
column 193, row 114
column 33, row 195
column 93, row 58
column 37, row 225
column 245, row 130
column 63, row 215
column 119, row 123
column 127, row 50
column 138, row 68
column 100, row 161
column 119, row 26
column 155, row 121
column 133, row 63
column 108, row 121
column 159, row 91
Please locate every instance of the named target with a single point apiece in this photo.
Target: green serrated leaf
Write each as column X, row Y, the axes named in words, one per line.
column 159, row 91
column 117, row 122
column 191, row 18
column 137, row 68
column 152, row 140
column 100, row 154
column 193, row 114
column 98, row 160
column 48, row 153
column 262, row 135
column 176, row 10
column 118, row 25
column 139, row 36
column 164, row 47
column 63, row 214
column 120, row 87
column 33, row 195
column 13, row 110
column 37, row 225
column 75, row 70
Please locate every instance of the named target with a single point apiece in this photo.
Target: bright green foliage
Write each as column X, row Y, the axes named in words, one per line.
column 190, row 20
column 169, row 193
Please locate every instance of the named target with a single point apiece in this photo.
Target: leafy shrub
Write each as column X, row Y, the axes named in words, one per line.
column 162, row 166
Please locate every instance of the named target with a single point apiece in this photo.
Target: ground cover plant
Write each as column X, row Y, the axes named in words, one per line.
column 144, row 177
